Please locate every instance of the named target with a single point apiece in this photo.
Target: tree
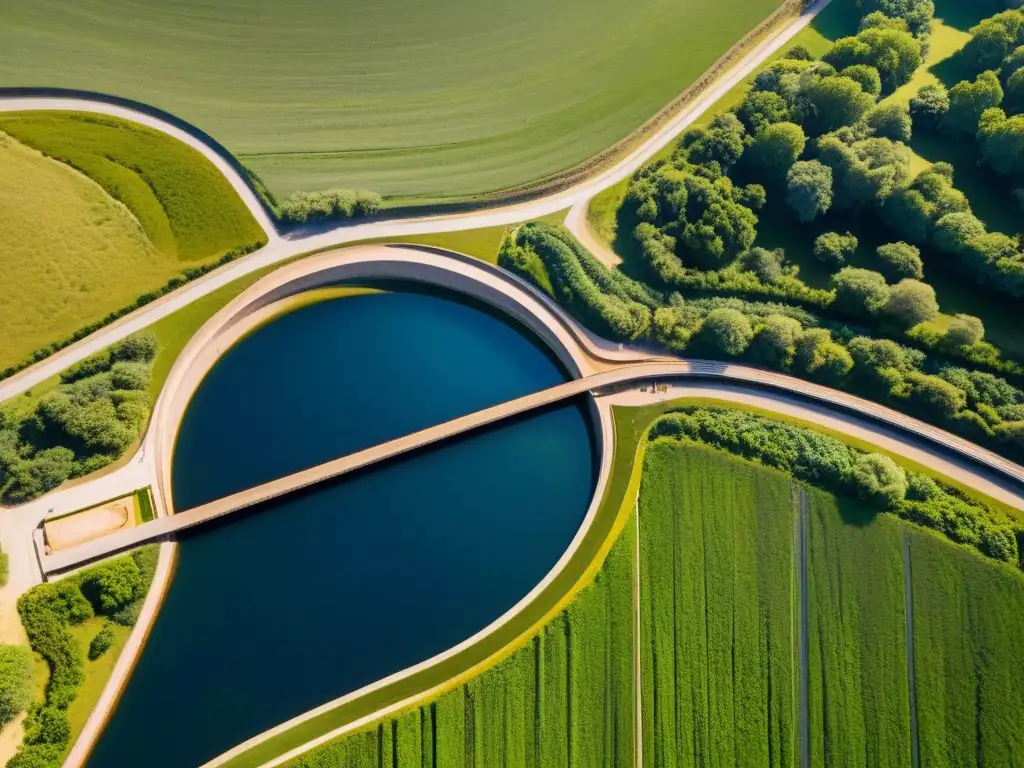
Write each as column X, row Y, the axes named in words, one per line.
column 878, row 480
column 767, row 265
column 929, row 107
column 955, row 231
column 993, row 40
column 800, row 53
column 895, row 54
column 878, row 20
column 775, row 341
column 1012, row 63
column 864, row 172
column 16, row 689
column 834, row 249
column 782, row 77
column 867, row 76
column 937, row 397
column 728, row 330
column 890, row 121
column 809, row 189
column 1013, row 97
column 860, row 291
column 964, row 331
column 1002, row 141
column 911, row 302
column 827, row 103
column 900, row 260
column 721, row 142
column 762, row 108
column 34, row 477
column 820, row 357
column 968, row 101
column 917, row 13
column 775, row 149
column 137, row 348
column 112, row 586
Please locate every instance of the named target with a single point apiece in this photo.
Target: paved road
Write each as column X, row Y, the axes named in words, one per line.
column 280, row 248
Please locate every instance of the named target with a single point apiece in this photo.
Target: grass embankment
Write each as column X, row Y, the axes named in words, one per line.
column 412, row 101
column 112, row 211
column 566, row 698
column 968, row 624
column 717, row 613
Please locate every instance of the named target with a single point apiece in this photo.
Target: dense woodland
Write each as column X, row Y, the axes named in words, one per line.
column 810, row 139
column 84, row 423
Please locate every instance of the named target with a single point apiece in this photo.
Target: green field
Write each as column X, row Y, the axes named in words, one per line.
column 859, row 704
column 968, row 625
column 564, row 699
column 717, row 611
column 143, row 209
column 427, row 100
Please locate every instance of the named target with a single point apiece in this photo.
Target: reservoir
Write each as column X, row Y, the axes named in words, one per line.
column 307, row 598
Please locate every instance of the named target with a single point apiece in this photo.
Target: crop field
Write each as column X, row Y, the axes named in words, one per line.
column 859, row 701
column 410, row 99
column 968, row 629
column 76, row 247
column 565, row 698
column 719, row 671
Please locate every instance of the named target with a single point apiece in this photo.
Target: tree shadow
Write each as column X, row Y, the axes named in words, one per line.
column 840, row 19
column 855, row 512
column 952, row 70
column 961, row 14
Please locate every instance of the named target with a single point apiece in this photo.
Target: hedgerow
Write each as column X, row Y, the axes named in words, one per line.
column 832, row 465
column 47, row 611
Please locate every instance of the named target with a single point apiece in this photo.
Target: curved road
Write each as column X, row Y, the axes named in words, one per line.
column 280, row 247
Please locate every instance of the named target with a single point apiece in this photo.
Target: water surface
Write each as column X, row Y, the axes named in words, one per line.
column 307, row 598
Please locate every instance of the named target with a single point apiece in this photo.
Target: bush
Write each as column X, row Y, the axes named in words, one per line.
column 867, row 76
column 728, row 331
column 834, row 249
column 860, row 292
column 775, row 341
column 112, row 586
column 936, row 397
column 761, row 109
column 929, row 107
column 809, row 189
column 16, row 689
column 819, row 357
column 968, row 101
column 767, row 265
column 774, row 151
column 890, row 121
column 900, row 260
column 330, row 205
column 101, row 643
column 964, row 331
column 878, row 480
column 911, row 302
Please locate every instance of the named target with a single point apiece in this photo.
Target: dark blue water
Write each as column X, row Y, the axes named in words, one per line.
column 305, row 599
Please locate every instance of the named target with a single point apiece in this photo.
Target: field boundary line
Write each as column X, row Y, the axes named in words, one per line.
column 908, row 608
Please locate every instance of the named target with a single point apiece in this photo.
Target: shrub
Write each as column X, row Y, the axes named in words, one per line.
column 329, row 205
column 774, row 150
column 111, row 586
column 775, row 341
column 137, row 348
column 834, row 249
column 878, row 480
column 767, row 265
column 911, row 302
column 809, row 189
column 969, row 100
column 16, row 687
column 917, row 14
column 867, row 76
column 761, row 109
column 101, row 643
column 890, row 121
column 900, row 260
column 929, row 106
column 826, row 104
column 728, row 331
column 1002, row 141
column 860, row 292
column 964, row 331
column 921, row 487
column 819, row 357
column 936, row 396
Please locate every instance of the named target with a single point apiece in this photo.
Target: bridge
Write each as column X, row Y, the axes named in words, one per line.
column 624, row 374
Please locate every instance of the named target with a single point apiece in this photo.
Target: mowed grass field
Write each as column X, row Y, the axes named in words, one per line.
column 566, row 698
column 411, row 99
column 94, row 212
